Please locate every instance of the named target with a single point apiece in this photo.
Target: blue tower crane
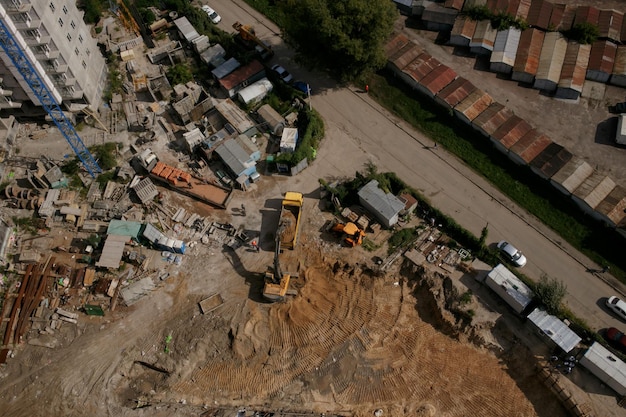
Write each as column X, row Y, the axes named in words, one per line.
column 27, row 71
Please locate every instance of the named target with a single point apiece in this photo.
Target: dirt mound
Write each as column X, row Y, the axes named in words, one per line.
column 287, row 227
column 351, row 340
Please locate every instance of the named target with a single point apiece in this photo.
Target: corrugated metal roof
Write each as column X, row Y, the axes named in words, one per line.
column 619, row 66
column 512, row 131
column 491, row 119
column 241, row 74
column 575, row 66
column 602, row 56
column 551, row 159
column 186, row 28
column 226, row 68
column 456, row 91
column 505, row 46
column 124, row 228
column 573, row 174
column 484, row 35
column 386, row 204
column 464, row 26
column 539, row 14
column 594, row 189
column 438, row 79
column 607, row 367
column 234, row 156
column 610, row 24
column 566, row 20
column 405, row 55
column 234, row 115
column 557, row 14
column 454, row 4
column 112, row 251
column 522, row 9
column 421, row 67
column 552, row 57
column 438, row 14
column 587, row 14
column 528, row 51
column 614, row 205
column 397, row 42
column 531, row 145
column 474, row 104
column 555, row 329
column 509, row 287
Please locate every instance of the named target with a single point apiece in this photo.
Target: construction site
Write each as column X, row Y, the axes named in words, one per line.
column 190, row 284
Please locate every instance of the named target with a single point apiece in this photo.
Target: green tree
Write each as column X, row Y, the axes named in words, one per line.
column 345, row 37
column 585, row 33
column 550, row 292
column 179, row 74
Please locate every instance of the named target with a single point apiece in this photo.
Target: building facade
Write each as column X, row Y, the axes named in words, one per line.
column 58, row 44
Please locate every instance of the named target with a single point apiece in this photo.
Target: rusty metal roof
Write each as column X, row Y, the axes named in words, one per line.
column 484, row 35
column 464, row 26
column 531, row 145
column 566, row 19
column 491, row 119
column 512, row 131
column 572, row 174
column 396, row 43
column 552, row 57
column 456, row 91
column 550, row 162
column 602, row 56
column 528, row 51
column 241, row 74
column 438, row 79
column 474, row 104
column 619, row 67
column 575, row 66
column 587, row 14
column 405, row 55
column 539, row 14
column 614, row 205
column 522, row 9
column 421, row 67
column 610, row 24
column 454, row 4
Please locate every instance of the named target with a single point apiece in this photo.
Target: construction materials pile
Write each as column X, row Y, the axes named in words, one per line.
column 287, row 227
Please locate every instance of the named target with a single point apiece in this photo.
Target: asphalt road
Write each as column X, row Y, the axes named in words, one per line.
column 359, row 130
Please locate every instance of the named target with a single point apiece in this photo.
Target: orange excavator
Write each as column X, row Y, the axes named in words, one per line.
column 353, row 235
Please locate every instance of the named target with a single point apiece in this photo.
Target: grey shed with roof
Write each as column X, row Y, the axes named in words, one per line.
column 554, row 329
column 385, row 206
column 236, row 158
column 273, row 120
column 186, row 29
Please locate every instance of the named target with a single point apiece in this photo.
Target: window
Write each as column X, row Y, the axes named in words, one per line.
column 73, row 25
column 80, row 38
column 76, row 51
column 84, row 64
column 25, row 18
column 60, row 22
column 16, row 3
column 35, row 34
column 69, row 37
column 52, row 6
column 64, row 9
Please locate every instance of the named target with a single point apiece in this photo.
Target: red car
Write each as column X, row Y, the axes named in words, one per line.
column 616, row 338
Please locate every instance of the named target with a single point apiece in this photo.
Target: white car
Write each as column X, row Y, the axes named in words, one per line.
column 215, row 18
column 282, row 73
column 512, row 254
column 617, row 306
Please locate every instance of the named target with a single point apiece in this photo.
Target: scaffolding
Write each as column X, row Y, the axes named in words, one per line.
column 46, row 99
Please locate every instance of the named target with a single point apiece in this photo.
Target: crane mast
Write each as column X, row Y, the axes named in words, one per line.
column 10, row 46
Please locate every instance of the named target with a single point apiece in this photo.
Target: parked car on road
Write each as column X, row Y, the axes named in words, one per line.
column 302, row 86
column 512, row 254
column 617, row 306
column 282, row 73
column 215, row 18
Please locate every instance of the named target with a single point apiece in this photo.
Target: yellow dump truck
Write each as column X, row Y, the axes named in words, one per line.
column 289, row 221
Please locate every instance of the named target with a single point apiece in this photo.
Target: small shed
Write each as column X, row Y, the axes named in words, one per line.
column 528, row 147
column 572, row 78
column 420, row 67
column 434, row 82
column 610, row 24
column 510, row 133
column 601, row 61
column 550, row 160
column 527, row 57
column 509, row 287
column 234, row 115
column 587, row 14
column 250, row 147
column 410, row 203
column 186, row 29
column 395, row 44
column 226, row 68
column 618, row 77
column 438, row 18
column 504, row 51
column 563, row 16
column 539, row 14
column 484, row 38
column 129, row 229
column 473, row 105
column 112, row 251
column 554, row 328
column 214, row 55
column 404, row 56
column 271, row 119
column 573, row 173
column 491, row 119
column 613, row 208
column 289, row 139
column 242, row 77
column 462, row 31
column 592, row 191
column 192, row 139
column 255, row 92
column 519, row 8
column 385, row 206
column 237, row 160
column 455, row 92
column 606, row 366
column 550, row 62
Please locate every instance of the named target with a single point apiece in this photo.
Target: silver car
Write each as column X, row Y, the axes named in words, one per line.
column 512, row 253
column 215, row 18
column 617, row 306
